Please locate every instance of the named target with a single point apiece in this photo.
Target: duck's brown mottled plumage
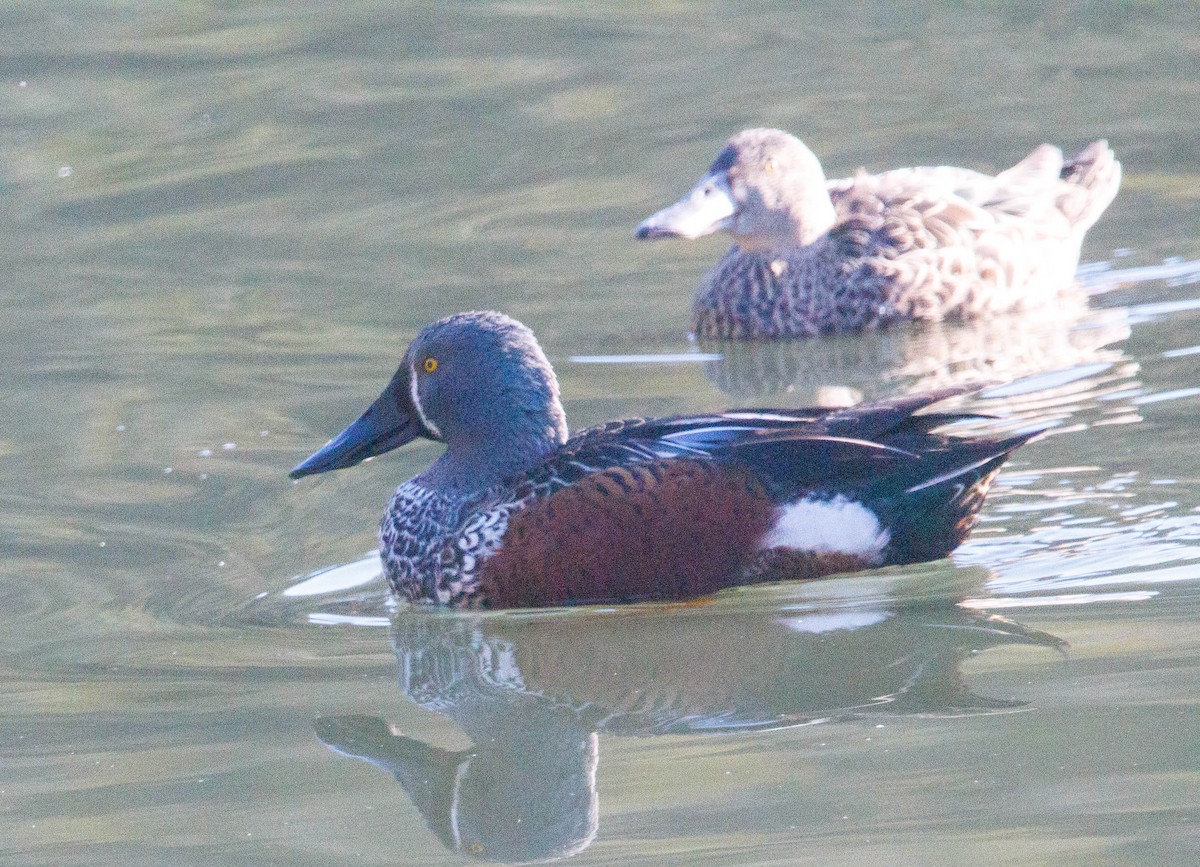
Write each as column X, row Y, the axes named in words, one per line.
column 816, row 257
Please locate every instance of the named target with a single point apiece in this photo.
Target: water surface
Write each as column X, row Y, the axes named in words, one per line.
column 221, row 224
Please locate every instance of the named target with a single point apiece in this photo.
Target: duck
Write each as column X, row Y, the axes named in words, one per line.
column 517, row 514
column 812, row 256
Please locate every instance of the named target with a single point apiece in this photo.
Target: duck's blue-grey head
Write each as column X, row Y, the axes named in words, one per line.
column 766, row 189
column 478, row 382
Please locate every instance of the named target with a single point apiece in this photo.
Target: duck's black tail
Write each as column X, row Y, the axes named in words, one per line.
column 933, row 516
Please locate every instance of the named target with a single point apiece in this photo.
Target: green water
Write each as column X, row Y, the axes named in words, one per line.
column 222, row 222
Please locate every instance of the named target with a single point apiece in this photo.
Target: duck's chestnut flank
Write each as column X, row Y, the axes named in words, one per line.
column 628, row 533
column 516, row 514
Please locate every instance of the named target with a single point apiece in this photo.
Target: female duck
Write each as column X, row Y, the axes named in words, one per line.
column 516, row 514
column 813, row 256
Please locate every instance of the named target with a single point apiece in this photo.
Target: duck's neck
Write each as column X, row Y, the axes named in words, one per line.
column 794, row 226
column 474, row 464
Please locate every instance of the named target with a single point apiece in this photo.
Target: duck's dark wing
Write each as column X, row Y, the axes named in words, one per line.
column 663, row 437
column 710, row 435
column 790, row 449
column 926, row 487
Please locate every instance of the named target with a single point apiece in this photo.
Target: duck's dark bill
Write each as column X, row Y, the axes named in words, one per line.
column 388, row 423
column 706, row 209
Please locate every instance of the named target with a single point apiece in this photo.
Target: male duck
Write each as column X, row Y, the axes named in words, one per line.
column 515, row 514
column 813, row 256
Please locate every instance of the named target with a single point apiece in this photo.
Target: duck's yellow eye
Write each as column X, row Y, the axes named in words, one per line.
column 769, row 165
column 430, row 365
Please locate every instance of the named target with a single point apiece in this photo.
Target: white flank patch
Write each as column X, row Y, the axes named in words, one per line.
column 838, row 526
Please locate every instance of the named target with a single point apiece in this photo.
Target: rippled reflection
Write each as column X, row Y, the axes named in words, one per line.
column 928, row 355
column 533, row 692
column 845, row 369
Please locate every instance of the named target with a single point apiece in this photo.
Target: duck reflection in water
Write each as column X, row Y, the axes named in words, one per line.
column 533, row 692
column 838, row 370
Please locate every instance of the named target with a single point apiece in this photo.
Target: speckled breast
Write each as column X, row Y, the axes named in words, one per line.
column 433, row 546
